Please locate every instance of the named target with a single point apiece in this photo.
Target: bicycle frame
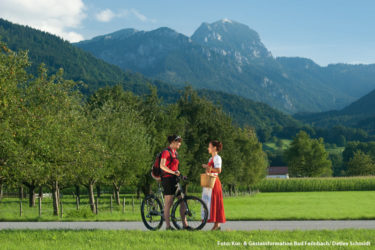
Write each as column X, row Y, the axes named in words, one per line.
column 156, row 208
column 179, row 194
column 159, row 193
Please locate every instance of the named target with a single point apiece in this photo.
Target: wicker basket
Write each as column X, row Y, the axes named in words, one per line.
column 208, row 180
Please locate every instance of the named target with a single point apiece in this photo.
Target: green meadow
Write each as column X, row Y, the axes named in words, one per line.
column 261, row 206
column 122, row 239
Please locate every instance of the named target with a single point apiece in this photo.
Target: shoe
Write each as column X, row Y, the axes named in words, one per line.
column 216, row 229
column 189, row 228
column 170, row 228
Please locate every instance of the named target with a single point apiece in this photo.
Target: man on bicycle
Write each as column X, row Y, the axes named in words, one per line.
column 169, row 166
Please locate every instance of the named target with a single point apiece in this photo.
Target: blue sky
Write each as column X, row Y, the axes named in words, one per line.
column 327, row 31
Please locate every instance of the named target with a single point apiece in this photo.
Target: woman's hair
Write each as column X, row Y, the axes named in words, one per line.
column 217, row 144
column 173, row 138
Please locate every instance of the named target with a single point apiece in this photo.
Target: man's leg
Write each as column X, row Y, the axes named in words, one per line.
column 168, row 200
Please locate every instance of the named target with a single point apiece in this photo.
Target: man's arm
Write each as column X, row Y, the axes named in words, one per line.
column 164, row 167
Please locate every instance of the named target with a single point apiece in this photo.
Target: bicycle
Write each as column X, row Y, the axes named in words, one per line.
column 195, row 210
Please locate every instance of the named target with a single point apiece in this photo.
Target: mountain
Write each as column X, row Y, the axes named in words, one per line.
column 80, row 65
column 363, row 106
column 360, row 114
column 244, row 110
column 232, row 39
column 229, row 56
column 351, row 80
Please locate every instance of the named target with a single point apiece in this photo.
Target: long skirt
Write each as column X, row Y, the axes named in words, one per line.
column 214, row 201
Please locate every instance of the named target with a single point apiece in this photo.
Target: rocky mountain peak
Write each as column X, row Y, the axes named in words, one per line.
column 231, row 38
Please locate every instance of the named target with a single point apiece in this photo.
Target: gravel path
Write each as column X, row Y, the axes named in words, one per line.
column 230, row 225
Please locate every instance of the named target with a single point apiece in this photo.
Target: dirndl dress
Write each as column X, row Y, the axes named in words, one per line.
column 213, row 197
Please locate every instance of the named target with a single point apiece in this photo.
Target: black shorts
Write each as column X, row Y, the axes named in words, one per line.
column 169, row 185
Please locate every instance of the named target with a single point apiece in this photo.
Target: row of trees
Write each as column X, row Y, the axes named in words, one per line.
column 53, row 136
column 338, row 135
column 307, row 157
column 359, row 158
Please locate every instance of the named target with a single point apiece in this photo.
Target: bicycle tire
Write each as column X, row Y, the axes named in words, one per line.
column 186, row 198
column 144, row 219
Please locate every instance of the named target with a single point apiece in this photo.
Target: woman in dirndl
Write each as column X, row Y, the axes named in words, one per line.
column 213, row 197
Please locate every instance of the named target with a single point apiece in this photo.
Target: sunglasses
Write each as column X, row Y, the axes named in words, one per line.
column 177, row 138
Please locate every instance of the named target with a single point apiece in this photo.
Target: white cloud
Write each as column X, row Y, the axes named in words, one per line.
column 107, row 15
column 141, row 17
column 54, row 16
column 138, row 15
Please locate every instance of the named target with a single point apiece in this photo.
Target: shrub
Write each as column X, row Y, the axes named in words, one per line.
column 83, row 212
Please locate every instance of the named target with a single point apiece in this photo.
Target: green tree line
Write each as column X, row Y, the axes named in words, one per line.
column 307, row 157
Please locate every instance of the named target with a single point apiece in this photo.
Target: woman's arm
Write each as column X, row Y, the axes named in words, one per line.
column 216, row 170
column 166, row 169
column 210, row 169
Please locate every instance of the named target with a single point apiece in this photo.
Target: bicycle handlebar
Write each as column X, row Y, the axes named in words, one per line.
column 181, row 177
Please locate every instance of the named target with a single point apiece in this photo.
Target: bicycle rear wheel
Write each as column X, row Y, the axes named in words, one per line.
column 152, row 212
column 193, row 209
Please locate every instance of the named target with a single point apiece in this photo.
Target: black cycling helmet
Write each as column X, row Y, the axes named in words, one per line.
column 173, row 138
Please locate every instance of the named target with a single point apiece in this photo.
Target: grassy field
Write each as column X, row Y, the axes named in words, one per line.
column 98, row 239
column 271, row 146
column 365, row 183
column 302, row 205
column 10, row 210
column 335, row 150
column 262, row 206
column 285, row 143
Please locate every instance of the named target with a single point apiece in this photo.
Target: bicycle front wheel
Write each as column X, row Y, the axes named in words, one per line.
column 152, row 212
column 191, row 210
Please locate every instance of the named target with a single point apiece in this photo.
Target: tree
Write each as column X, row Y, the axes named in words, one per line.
column 129, row 145
column 361, row 164
column 122, row 131
column 337, row 164
column 48, row 138
column 307, row 157
column 12, row 75
column 253, row 164
column 90, row 158
column 352, row 147
column 264, row 134
column 160, row 120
